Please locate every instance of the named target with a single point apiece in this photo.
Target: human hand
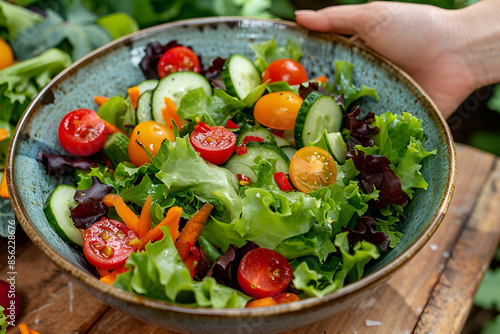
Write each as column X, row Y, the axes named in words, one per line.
column 427, row 42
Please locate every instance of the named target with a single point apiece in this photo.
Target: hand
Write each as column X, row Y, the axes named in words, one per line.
column 431, row 44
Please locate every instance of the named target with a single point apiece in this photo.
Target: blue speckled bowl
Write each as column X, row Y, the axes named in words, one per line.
column 113, row 68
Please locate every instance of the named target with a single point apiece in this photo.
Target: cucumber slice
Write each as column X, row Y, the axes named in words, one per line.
column 57, row 212
column 243, row 169
column 267, row 151
column 240, row 76
column 289, row 151
column 318, row 112
column 116, row 148
column 175, row 86
column 260, row 132
column 281, row 142
column 143, row 110
column 337, row 146
column 147, row 85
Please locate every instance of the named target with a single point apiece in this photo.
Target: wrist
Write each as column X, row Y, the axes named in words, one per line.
column 478, row 31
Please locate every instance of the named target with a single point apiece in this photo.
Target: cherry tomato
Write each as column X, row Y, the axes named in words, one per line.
column 286, row 297
column 7, row 58
column 149, row 135
column 178, row 59
column 9, row 300
column 278, row 110
column 214, row 144
column 82, row 132
column 312, row 168
column 264, row 273
column 287, row 70
column 106, row 244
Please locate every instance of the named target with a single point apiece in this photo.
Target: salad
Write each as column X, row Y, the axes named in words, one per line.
column 244, row 183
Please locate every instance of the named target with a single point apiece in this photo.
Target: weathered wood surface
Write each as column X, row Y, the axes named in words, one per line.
column 433, row 293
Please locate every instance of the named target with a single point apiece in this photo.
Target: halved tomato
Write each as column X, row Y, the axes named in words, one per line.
column 312, row 168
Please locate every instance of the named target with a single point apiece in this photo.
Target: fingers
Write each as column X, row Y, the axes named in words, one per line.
column 346, row 19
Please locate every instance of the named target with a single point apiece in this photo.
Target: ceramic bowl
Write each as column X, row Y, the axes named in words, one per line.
column 113, row 68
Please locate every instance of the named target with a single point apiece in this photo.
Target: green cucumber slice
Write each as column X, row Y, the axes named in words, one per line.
column 260, row 132
column 57, row 212
column 267, row 151
column 175, row 86
column 143, row 110
column 116, row 148
column 240, row 76
column 147, row 85
column 318, row 112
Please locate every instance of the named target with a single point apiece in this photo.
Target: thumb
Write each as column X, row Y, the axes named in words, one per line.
column 345, row 19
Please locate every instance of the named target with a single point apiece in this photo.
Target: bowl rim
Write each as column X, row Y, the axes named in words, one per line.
column 371, row 279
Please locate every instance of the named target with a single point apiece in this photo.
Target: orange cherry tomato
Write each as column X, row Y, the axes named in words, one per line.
column 312, row 168
column 149, row 135
column 268, row 301
column 278, row 110
column 286, row 297
column 287, row 70
column 7, row 57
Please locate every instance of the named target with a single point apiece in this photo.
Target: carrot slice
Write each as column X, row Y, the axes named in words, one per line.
column 134, row 94
column 111, row 278
column 190, row 233
column 3, row 133
column 111, row 128
column 4, row 193
column 169, row 113
column 321, row 79
column 33, row 331
column 126, row 214
column 145, row 218
column 24, row 328
column 171, row 220
column 100, row 100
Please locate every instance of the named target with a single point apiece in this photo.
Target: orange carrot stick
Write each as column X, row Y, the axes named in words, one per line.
column 100, row 100
column 3, row 134
column 171, row 220
column 145, row 218
column 190, row 233
column 33, row 331
column 134, row 94
column 126, row 214
column 24, row 328
column 111, row 278
column 169, row 113
column 111, row 128
column 4, row 193
column 321, row 79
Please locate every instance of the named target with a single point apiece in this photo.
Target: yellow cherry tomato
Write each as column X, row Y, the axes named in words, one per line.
column 312, row 168
column 147, row 135
column 7, row 57
column 278, row 110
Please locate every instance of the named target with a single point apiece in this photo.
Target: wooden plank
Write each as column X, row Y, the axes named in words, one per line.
column 470, row 259
column 397, row 306
column 50, row 302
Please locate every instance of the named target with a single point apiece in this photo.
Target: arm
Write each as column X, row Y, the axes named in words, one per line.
column 448, row 52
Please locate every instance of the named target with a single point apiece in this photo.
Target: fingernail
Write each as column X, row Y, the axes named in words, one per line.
column 304, row 11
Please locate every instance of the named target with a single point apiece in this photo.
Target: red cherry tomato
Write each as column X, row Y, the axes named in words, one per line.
column 178, row 59
column 82, row 132
column 106, row 244
column 287, row 70
column 264, row 273
column 9, row 299
column 214, row 144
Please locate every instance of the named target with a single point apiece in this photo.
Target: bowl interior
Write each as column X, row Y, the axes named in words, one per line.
column 112, row 69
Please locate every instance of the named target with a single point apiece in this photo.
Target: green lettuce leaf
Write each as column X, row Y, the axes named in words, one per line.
column 388, row 226
column 211, row 110
column 3, row 321
column 4, row 143
column 268, row 51
column 180, row 167
column 160, row 273
column 119, row 112
column 21, row 82
column 343, row 79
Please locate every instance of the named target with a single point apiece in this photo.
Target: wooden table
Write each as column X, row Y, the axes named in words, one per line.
column 433, row 293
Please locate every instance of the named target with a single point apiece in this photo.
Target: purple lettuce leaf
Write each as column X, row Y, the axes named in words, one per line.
column 90, row 208
column 63, row 164
column 364, row 230
column 360, row 129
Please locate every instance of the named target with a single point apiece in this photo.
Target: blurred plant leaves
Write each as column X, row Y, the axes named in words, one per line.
column 14, row 19
column 118, row 24
column 494, row 101
column 488, row 294
column 492, row 326
column 79, row 30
